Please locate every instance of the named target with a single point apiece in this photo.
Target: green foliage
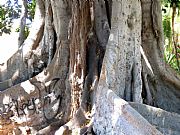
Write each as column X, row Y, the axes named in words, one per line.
column 31, row 9
column 171, row 59
column 12, row 10
column 169, row 49
column 8, row 12
column 170, row 3
column 26, row 31
column 167, row 26
column 177, row 2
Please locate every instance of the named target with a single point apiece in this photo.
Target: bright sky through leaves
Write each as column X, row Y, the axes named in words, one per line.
column 9, row 43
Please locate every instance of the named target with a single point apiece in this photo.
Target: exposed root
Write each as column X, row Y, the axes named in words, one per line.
column 81, row 123
column 85, row 130
column 148, row 98
column 50, row 130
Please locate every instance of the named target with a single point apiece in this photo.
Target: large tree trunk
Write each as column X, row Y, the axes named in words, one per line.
column 98, row 54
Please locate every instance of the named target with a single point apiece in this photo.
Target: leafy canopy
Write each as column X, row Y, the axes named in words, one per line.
column 12, row 10
column 8, row 12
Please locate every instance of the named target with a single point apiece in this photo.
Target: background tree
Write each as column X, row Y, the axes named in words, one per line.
column 175, row 6
column 27, row 12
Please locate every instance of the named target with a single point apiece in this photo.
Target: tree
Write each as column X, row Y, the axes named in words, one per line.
column 97, row 54
column 26, row 13
column 175, row 5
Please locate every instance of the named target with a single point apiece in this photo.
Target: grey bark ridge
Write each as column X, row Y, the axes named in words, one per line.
column 122, row 61
column 117, row 116
column 166, row 122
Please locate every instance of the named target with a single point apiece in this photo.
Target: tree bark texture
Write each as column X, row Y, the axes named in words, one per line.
column 23, row 23
column 98, row 54
column 163, row 82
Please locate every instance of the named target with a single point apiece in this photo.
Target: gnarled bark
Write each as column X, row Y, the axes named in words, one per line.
column 81, row 90
column 162, row 81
